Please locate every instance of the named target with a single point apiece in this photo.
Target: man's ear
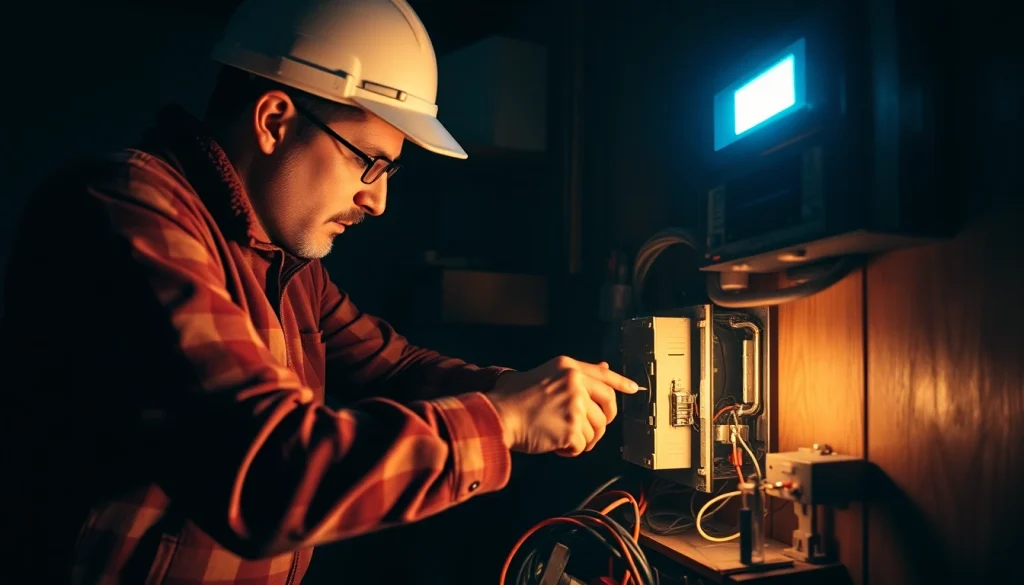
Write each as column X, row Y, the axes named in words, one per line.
column 274, row 118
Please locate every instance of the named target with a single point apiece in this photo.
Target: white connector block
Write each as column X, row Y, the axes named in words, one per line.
column 816, row 477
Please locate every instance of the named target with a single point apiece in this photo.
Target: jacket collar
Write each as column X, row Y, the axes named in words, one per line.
column 186, row 143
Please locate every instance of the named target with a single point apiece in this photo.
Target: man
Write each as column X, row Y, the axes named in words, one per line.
column 167, row 374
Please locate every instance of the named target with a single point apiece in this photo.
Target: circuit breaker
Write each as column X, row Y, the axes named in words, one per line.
column 704, row 411
column 658, row 418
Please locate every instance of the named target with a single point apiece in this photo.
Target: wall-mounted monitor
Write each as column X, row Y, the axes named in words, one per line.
column 829, row 139
column 763, row 96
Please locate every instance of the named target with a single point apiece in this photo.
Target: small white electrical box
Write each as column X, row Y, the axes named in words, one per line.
column 658, row 418
column 816, row 476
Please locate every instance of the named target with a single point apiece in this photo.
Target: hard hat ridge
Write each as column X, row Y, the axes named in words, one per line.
column 374, row 54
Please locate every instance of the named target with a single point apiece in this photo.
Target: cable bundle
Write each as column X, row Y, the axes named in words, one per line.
column 649, row 252
column 585, row 528
column 589, row 528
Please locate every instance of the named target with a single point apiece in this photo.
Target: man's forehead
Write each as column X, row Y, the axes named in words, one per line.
column 373, row 136
column 374, row 150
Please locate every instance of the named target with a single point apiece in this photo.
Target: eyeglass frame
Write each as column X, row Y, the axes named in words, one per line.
column 390, row 168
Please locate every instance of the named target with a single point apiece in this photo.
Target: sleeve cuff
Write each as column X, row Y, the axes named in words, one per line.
column 482, row 461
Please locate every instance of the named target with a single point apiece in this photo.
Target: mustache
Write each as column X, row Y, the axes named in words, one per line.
column 352, row 216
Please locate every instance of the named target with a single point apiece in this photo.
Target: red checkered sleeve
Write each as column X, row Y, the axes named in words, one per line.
column 366, row 355
column 250, row 456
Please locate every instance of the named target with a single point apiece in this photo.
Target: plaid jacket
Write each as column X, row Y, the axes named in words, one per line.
column 169, row 366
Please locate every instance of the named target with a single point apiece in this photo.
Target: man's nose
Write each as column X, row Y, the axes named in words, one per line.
column 373, row 199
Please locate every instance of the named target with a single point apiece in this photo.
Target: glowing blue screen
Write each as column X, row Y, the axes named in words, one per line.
column 758, row 100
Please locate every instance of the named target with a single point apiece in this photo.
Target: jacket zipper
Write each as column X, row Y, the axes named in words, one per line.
column 295, row 568
column 283, row 278
column 282, row 284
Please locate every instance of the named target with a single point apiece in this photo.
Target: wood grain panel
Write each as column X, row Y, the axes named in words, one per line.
column 821, row 394
column 946, row 401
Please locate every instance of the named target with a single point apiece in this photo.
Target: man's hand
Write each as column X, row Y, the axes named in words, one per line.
column 561, row 406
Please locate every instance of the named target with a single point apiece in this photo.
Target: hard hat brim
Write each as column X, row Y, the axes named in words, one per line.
column 420, row 128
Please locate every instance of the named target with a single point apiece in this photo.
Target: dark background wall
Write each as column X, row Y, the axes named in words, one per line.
column 913, row 362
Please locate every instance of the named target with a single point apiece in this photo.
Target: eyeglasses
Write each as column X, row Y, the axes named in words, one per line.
column 375, row 165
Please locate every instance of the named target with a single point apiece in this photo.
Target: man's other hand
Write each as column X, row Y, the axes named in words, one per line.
column 561, row 406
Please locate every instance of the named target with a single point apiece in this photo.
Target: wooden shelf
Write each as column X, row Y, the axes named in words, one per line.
column 718, row 562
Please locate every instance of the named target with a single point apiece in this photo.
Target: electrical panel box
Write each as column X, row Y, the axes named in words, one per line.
column 816, row 477
column 707, row 393
column 660, row 416
column 828, row 140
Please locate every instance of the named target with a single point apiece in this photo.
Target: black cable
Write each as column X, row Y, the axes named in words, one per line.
column 531, row 559
column 649, row 252
column 675, row 524
column 639, row 558
column 598, row 492
column 664, row 520
column 545, row 539
column 523, row 576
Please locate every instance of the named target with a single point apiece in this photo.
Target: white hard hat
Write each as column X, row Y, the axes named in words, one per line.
column 374, row 54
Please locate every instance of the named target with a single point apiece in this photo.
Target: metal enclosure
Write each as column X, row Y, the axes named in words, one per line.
column 857, row 165
column 694, row 361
